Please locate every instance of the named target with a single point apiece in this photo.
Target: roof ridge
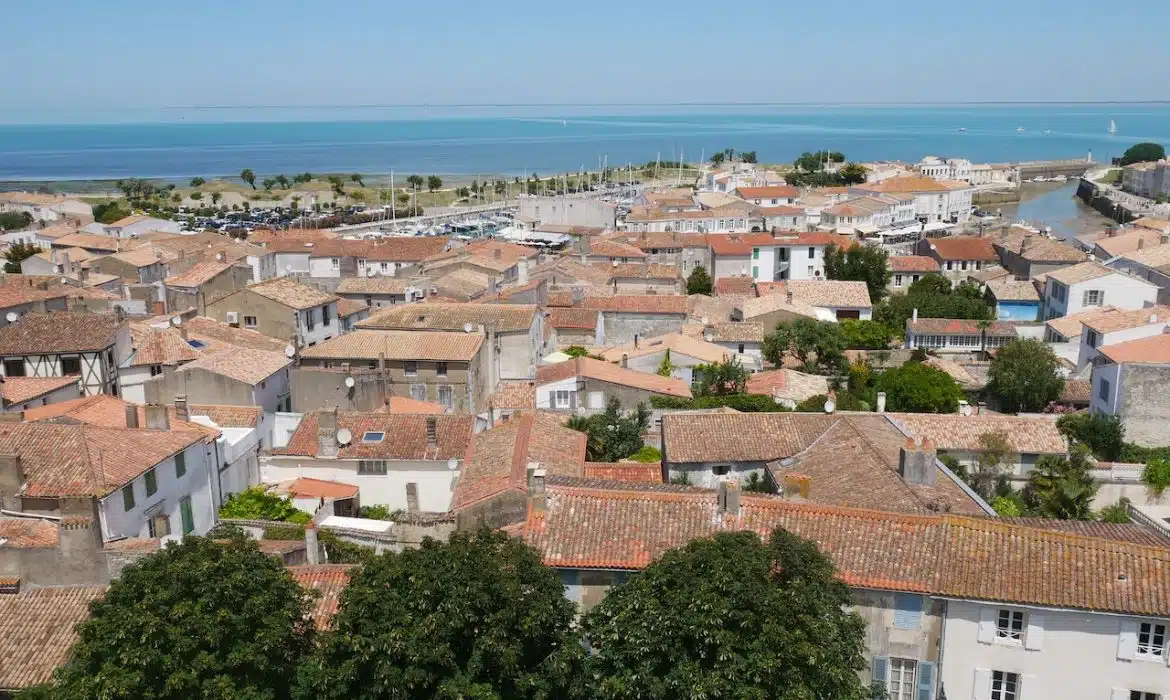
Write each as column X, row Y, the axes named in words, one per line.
column 1072, row 538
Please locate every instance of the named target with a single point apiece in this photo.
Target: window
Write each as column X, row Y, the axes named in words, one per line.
column 755, row 253
column 897, row 280
column 1103, row 390
column 1004, row 685
column 562, row 398
column 151, row 483
column 128, row 497
column 1094, row 297
column 1091, row 337
column 721, row 469
column 963, row 265
column 309, row 320
column 385, row 267
column 373, row 436
column 180, row 465
column 325, row 315
column 901, row 680
column 372, row 467
column 186, row 514
column 441, row 369
column 810, row 270
column 755, row 272
column 907, row 611
column 156, row 370
column 418, row 392
column 249, row 322
column 335, row 263
column 812, row 252
column 1151, row 640
column 447, row 397
column 740, row 350
column 159, row 526
column 14, row 368
column 950, row 264
column 71, row 366
column 1143, row 695
column 1010, row 625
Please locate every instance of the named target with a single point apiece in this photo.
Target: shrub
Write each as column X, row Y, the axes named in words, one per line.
column 1156, row 476
column 647, row 455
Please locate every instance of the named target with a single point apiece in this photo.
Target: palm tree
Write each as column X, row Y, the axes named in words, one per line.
column 984, row 325
column 282, row 181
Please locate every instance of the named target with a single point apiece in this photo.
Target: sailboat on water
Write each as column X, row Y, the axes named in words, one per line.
column 1112, row 127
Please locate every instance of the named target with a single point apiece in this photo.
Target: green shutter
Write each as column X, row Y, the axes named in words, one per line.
column 128, row 497
column 755, row 272
column 188, row 516
column 180, row 464
column 925, row 681
column 151, row 483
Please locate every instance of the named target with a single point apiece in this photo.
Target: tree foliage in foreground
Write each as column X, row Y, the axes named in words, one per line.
column 18, row 253
column 1062, row 487
column 861, row 263
column 612, row 434
column 819, row 346
column 919, row 388
column 1143, row 153
column 1024, row 376
column 699, row 282
column 729, row 617
column 1102, row 433
column 199, row 619
column 477, row 617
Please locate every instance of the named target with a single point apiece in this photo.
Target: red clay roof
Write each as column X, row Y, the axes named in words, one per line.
column 632, row 472
column 913, row 263
column 769, row 192
column 20, row 389
column 304, row 487
column 404, row 436
column 39, row 628
column 741, row 244
column 638, row 304
column 613, row 374
column 572, row 317
column 330, row 580
column 964, row 248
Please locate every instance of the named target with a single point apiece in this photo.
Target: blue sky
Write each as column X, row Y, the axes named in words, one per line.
column 88, row 56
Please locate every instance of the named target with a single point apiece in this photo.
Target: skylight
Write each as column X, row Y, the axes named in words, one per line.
column 373, row 436
column 197, row 344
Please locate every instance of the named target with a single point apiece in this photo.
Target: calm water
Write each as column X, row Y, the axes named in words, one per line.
column 376, row 141
column 1056, row 207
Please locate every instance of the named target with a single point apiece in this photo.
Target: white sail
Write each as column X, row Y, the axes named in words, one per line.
column 1112, row 127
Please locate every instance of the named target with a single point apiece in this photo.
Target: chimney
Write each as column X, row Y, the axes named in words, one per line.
column 796, row 486
column 625, row 360
column 1110, row 231
column 1025, row 243
column 131, row 416
column 881, row 402
column 578, row 296
column 914, row 315
column 916, row 462
column 312, row 549
column 522, row 271
column 729, row 497
column 83, row 273
column 635, row 341
column 537, row 493
column 1163, row 239
column 183, row 333
column 432, row 432
column 327, row 432
column 156, row 417
column 788, row 296
column 1141, row 243
column 181, row 412
column 497, row 254
column 11, row 482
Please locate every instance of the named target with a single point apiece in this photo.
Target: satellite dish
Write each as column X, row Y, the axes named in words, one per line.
column 12, row 316
column 289, row 351
column 614, row 263
column 468, row 327
column 288, row 268
column 64, row 280
column 705, row 321
column 369, row 272
column 219, row 256
column 452, row 464
column 344, row 436
column 830, row 406
column 349, row 382
column 176, row 321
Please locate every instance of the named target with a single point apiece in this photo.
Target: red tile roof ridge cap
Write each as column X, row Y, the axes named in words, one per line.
column 775, row 502
column 1072, row 538
column 520, row 450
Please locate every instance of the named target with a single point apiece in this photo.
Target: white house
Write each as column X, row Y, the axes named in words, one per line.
column 944, row 169
column 1079, row 287
column 67, row 344
column 1129, row 380
column 402, row 461
column 770, row 196
column 138, row 224
column 869, row 213
column 957, row 334
column 825, row 300
column 770, row 257
column 1149, row 264
column 934, row 200
column 45, row 207
column 1119, row 326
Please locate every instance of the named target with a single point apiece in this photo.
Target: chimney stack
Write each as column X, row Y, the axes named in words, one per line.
column 914, row 315
column 1163, row 239
column 916, row 462
column 522, row 271
column 327, row 432
column 432, row 432
column 1141, row 243
column 156, row 417
column 312, row 549
column 625, row 360
column 729, row 498
column 788, row 296
column 537, row 493
column 796, row 486
column 131, row 416
column 881, row 402
column 181, row 412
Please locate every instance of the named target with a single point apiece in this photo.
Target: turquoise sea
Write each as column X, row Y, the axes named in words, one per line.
column 514, row 140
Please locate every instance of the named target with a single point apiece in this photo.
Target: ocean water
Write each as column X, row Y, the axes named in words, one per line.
column 551, row 139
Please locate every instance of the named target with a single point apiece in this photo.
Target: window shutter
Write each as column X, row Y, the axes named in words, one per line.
column 881, row 670
column 925, row 681
column 573, row 400
column 1085, row 298
column 1101, row 298
column 986, row 625
column 1120, row 694
column 907, row 611
column 1127, row 640
column 1030, row 687
column 1034, row 636
column 981, row 690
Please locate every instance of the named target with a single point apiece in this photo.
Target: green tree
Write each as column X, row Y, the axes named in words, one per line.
column 853, row 174
column 729, row 617
column 718, row 158
column 197, row 182
column 196, row 195
column 666, row 368
column 919, row 388
column 249, row 177
column 476, row 617
column 1143, row 152
column 576, row 351
column 720, row 378
column 303, row 178
column 699, row 282
column 1062, row 487
column 612, row 434
column 268, row 183
column 283, row 181
column 1024, row 376
column 865, row 335
column 934, row 297
column 1117, row 513
column 415, row 181
column 647, row 455
column 1102, row 433
column 1156, row 476
column 861, row 263
column 819, row 346
column 747, row 157
column 199, row 619
column 15, row 220
column 357, row 177
column 215, row 197
column 987, row 475
column 1006, row 507
column 434, row 182
column 257, row 504
column 16, row 254
column 109, row 212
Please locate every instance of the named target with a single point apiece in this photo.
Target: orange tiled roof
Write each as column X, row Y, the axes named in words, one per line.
column 349, row 307
column 293, row 294
column 405, row 404
column 602, row 371
column 1152, row 350
column 24, row 533
column 404, row 436
column 638, row 304
column 571, row 317
column 220, row 335
column 304, row 487
column 964, row 248
column 769, row 192
column 913, row 263
column 16, row 390
column 39, row 629
column 330, row 580
column 614, row 249
column 952, row 431
column 198, row 274
column 153, row 346
column 452, row 317
column 514, row 395
column 442, row 346
column 241, row 364
column 59, row 331
column 956, row 326
column 632, row 472
column 645, row 271
column 740, row 285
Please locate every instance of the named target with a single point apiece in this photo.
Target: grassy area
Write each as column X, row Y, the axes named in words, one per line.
column 1111, row 177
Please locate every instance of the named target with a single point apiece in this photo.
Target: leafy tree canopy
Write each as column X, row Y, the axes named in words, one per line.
column 476, row 617
column 919, row 388
column 434, row 182
column 15, row 220
column 720, row 378
column 17, row 253
column 257, row 504
column 109, row 212
column 612, row 434
column 200, row 619
column 1143, row 153
column 699, row 282
column 861, row 263
column 934, row 297
column 865, row 335
column 249, row 177
column 1062, row 487
column 1102, row 433
column 729, row 617
column 1024, row 376
column 817, row 345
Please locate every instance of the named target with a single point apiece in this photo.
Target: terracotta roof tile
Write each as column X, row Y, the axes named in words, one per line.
column 787, row 384
column 379, row 284
column 1074, row 274
column 735, row 332
column 602, row 371
column 405, row 404
column 763, row 437
column 453, row 317
column 399, row 345
column 820, row 293
column 1151, row 350
column 647, row 271
column 769, row 192
column 952, row 431
column 1011, row 289
column 908, row 183
column 198, row 274
column 328, row 579
column 293, row 294
column 740, row 285
column 964, row 248
column 677, row 343
column 741, row 244
column 631, row 472
column 514, row 395
column 159, row 347
column 1133, row 533
column 399, row 249
column 349, row 307
column 242, row 364
column 59, row 331
column 24, row 533
column 404, row 436
column 304, row 487
column 913, row 263
column 638, row 304
column 1126, row 319
column 93, row 242
column 570, row 317
column 16, row 390
column 37, row 629
column 463, row 283
column 219, row 334
column 953, row 326
column 614, row 249
column 1070, row 326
